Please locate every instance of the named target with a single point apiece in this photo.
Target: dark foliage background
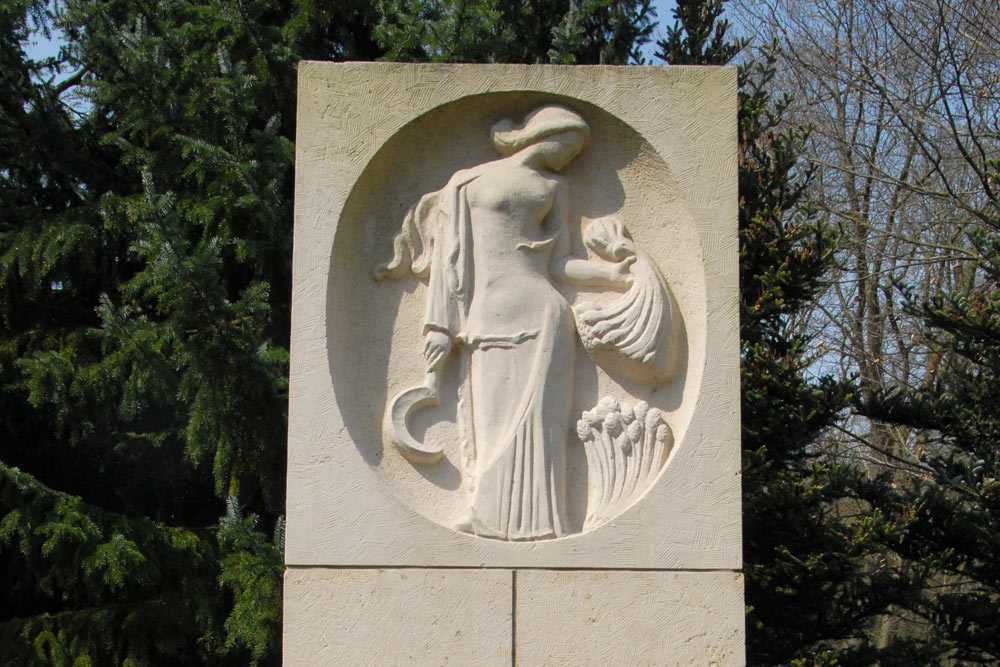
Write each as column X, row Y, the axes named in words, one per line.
column 145, row 246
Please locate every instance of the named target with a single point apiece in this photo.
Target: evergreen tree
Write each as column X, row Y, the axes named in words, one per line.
column 810, row 592
column 516, row 31
column 949, row 506
column 144, row 269
column 145, row 250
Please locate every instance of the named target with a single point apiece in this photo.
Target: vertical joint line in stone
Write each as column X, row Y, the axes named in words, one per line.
column 513, row 618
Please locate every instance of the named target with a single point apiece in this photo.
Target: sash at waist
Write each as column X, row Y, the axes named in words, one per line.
column 488, row 341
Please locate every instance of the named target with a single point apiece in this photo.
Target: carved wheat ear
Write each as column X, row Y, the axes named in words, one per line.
column 609, row 239
column 636, row 334
column 626, row 447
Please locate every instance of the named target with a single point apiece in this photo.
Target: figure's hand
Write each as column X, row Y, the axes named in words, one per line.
column 437, row 344
column 621, row 272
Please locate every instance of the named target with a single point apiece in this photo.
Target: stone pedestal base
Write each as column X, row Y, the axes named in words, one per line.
column 501, row 617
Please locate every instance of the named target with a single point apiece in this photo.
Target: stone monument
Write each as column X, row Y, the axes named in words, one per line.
column 514, row 413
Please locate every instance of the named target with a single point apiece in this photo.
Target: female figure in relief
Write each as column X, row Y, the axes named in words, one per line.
column 489, row 243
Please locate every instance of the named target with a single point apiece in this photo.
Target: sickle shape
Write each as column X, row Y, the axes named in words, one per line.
column 396, row 422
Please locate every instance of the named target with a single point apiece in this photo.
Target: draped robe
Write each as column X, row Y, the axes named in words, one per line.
column 517, row 341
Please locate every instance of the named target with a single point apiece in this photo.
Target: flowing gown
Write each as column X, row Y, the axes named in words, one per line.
column 489, row 288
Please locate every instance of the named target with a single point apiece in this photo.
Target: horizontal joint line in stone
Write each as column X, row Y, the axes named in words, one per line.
column 510, row 567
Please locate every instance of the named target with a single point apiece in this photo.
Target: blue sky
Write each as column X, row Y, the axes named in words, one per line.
column 664, row 14
column 39, row 46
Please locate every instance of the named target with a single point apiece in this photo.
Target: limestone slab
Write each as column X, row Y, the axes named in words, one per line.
column 421, row 430
column 382, row 618
column 584, row 618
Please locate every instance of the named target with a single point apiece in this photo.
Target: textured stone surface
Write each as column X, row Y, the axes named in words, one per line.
column 389, row 562
column 583, row 618
column 495, row 249
column 384, row 618
column 372, row 140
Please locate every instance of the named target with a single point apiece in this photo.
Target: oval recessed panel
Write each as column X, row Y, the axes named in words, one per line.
column 561, row 399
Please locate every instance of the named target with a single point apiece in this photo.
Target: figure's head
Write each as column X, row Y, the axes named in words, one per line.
column 566, row 130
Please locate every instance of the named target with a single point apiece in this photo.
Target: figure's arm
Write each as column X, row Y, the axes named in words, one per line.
column 577, row 271
column 589, row 273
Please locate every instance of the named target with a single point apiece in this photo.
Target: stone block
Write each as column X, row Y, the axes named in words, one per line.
column 579, row 411
column 640, row 619
column 405, row 617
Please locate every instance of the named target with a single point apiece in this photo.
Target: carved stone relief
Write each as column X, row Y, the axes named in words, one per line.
column 496, row 249
column 607, row 361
